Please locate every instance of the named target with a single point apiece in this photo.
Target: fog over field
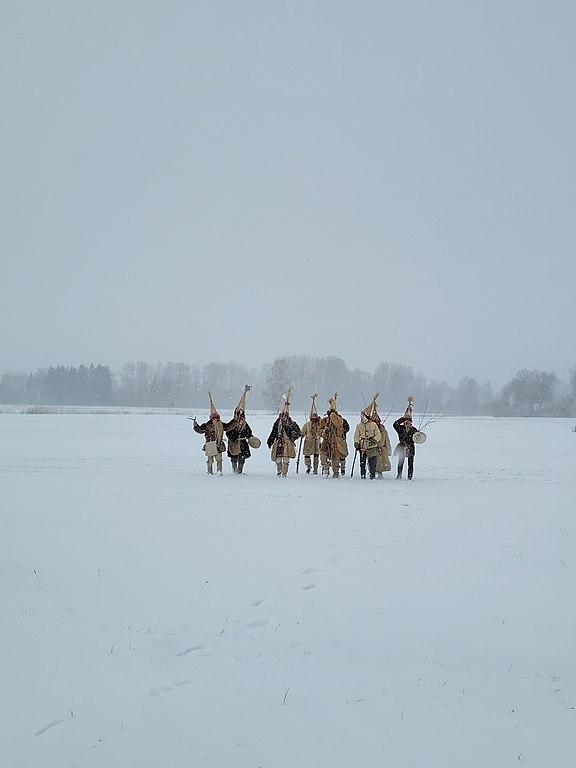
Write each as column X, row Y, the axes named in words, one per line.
column 333, row 196
column 374, row 181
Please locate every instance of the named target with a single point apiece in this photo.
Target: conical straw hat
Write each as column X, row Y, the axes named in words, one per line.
column 286, row 406
column 213, row 411
column 313, row 411
column 242, row 402
column 408, row 411
column 371, row 410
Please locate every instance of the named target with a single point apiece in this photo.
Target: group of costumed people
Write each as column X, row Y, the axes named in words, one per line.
column 238, row 433
column 322, row 440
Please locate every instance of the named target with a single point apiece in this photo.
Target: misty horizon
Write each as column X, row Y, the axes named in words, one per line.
column 181, row 385
column 267, row 364
column 369, row 181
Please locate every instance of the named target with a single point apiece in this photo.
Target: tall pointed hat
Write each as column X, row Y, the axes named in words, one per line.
column 286, row 407
column 313, row 411
column 213, row 411
column 333, row 402
column 242, row 402
column 408, row 411
column 372, row 409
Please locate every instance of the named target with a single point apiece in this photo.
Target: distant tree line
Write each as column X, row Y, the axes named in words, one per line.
column 92, row 385
column 184, row 385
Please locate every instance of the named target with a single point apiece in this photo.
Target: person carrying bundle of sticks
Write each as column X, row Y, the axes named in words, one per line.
column 405, row 448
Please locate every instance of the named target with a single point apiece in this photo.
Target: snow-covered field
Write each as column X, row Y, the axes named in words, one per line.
column 153, row 615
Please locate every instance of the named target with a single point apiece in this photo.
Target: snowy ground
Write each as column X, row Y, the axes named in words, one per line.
column 154, row 616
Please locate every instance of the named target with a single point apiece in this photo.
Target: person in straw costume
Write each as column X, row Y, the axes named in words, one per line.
column 367, row 437
column 285, row 431
column 384, row 446
column 312, row 434
column 334, row 449
column 238, row 431
column 214, row 445
column 405, row 448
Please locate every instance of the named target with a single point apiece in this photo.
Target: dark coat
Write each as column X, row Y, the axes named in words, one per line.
column 238, row 433
column 212, row 429
column 406, row 431
column 281, row 439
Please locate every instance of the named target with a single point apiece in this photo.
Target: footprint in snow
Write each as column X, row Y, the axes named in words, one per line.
column 257, row 603
column 47, row 727
column 186, row 651
column 308, row 570
column 167, row 688
column 160, row 691
column 255, row 624
column 310, row 586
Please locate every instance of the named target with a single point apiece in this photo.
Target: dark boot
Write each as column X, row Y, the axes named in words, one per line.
column 410, row 467
column 372, row 466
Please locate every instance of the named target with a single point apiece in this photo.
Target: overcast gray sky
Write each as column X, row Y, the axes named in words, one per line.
column 236, row 181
